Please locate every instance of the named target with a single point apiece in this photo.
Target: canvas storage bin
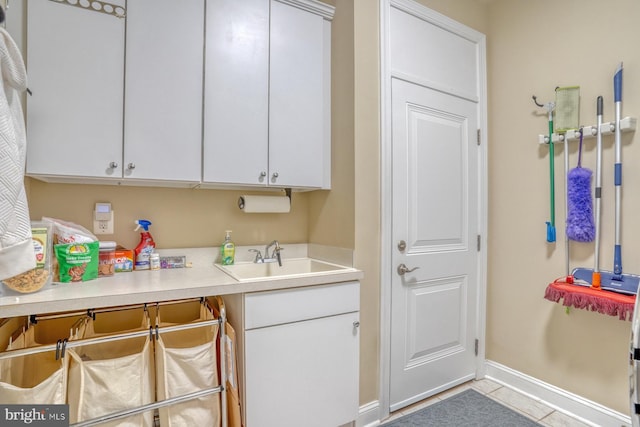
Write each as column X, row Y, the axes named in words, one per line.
column 107, row 377
column 35, row 378
column 186, row 361
column 232, row 389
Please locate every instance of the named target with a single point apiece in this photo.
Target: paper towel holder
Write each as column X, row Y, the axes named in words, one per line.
column 287, row 192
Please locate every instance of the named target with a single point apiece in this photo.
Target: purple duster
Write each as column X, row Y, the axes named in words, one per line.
column 580, row 225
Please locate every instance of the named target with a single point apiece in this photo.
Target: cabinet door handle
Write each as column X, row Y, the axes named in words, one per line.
column 274, row 175
column 131, row 166
column 113, row 165
column 263, row 174
column 356, row 324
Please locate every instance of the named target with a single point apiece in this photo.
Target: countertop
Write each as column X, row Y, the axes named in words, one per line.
column 137, row 287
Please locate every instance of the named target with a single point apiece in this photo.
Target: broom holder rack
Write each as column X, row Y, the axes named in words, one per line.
column 627, row 124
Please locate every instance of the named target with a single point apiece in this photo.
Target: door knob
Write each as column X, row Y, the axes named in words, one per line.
column 402, row 269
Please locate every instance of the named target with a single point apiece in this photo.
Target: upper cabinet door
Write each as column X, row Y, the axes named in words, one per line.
column 163, row 100
column 236, row 92
column 75, row 66
column 296, row 97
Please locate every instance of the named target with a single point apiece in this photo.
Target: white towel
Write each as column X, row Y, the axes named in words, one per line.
column 16, row 247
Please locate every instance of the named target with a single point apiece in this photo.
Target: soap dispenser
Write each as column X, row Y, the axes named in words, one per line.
column 228, row 250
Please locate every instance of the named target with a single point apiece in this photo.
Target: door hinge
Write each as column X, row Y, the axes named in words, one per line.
column 476, row 346
column 479, row 242
column 478, row 137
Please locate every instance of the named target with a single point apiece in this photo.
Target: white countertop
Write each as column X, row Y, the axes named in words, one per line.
column 137, row 287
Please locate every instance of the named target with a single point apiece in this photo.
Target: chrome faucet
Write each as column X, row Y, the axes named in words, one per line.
column 275, row 255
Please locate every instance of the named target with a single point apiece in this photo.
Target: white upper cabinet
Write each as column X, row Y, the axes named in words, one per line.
column 236, row 97
column 163, row 90
column 267, row 93
column 196, row 92
column 85, row 99
column 297, row 94
column 75, row 66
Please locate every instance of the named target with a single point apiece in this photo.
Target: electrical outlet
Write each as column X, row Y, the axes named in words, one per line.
column 103, row 226
column 103, row 219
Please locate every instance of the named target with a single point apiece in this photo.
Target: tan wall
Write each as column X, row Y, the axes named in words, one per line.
column 180, row 217
column 367, row 184
column 331, row 213
column 534, row 47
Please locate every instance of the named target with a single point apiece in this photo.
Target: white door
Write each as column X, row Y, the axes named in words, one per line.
column 435, row 203
column 434, row 87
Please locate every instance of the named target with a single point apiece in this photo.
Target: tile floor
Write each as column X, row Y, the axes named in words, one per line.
column 520, row 403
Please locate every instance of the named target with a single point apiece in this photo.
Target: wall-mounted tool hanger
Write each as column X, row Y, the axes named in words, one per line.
column 627, row 124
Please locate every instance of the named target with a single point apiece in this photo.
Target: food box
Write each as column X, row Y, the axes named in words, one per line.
column 123, row 259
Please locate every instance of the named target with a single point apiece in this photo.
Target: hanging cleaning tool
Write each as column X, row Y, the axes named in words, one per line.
column 624, row 283
column 580, row 226
column 611, row 281
column 595, row 276
column 567, row 109
column 585, row 276
column 567, row 119
column 551, row 224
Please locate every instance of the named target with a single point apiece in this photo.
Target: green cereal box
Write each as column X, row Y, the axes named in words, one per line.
column 78, row 262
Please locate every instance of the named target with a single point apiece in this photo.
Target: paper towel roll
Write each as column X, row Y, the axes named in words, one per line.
column 264, row 204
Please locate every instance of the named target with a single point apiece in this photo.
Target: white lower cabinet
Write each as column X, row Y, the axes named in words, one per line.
column 299, row 355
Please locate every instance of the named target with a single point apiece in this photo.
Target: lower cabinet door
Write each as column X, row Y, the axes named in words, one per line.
column 303, row 373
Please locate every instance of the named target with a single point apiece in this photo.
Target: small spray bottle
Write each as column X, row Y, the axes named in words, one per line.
column 145, row 247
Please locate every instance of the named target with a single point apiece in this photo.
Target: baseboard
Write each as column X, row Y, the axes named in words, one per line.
column 369, row 415
column 589, row 412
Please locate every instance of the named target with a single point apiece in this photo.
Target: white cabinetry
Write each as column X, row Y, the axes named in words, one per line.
column 75, row 65
column 267, row 93
column 163, row 90
column 236, row 97
column 129, row 100
column 301, row 355
column 82, row 91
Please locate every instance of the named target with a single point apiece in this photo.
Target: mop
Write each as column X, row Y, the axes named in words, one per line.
column 589, row 295
column 618, row 282
column 624, row 287
column 612, row 281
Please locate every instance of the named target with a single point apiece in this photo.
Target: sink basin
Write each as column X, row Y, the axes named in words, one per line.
column 290, row 268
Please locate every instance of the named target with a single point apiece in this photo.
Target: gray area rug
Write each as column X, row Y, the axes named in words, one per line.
column 468, row 408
